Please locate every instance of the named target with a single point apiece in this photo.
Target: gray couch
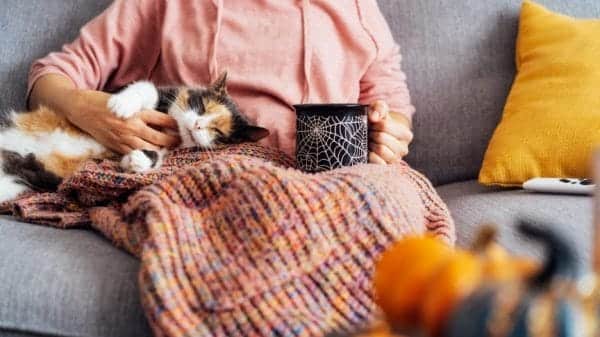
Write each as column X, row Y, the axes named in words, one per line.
column 459, row 58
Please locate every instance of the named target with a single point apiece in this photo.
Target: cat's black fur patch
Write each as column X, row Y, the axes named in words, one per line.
column 152, row 155
column 5, row 119
column 246, row 133
column 31, row 172
column 195, row 101
column 166, row 97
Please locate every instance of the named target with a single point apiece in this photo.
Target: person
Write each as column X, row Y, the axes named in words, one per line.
column 277, row 53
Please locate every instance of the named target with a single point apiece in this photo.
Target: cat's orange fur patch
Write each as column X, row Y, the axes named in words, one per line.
column 222, row 115
column 44, row 120
column 61, row 165
column 64, row 166
column 182, row 98
column 224, row 124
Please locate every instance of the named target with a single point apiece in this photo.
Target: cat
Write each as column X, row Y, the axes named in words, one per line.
column 40, row 148
column 541, row 305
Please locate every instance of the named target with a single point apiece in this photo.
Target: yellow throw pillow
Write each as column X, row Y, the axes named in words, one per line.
column 551, row 121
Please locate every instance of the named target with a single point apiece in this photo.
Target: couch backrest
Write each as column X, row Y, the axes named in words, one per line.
column 459, row 59
column 29, row 29
column 458, row 56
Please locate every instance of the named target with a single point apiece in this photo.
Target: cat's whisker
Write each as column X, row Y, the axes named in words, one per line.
column 211, row 153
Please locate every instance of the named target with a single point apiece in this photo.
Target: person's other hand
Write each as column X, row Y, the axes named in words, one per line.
column 389, row 134
column 145, row 130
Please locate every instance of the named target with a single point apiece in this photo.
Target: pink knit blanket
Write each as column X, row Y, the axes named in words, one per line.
column 237, row 242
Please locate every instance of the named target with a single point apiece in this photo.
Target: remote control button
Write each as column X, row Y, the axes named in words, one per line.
column 587, row 182
column 565, row 181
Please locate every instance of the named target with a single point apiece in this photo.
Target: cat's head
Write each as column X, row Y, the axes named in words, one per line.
column 211, row 117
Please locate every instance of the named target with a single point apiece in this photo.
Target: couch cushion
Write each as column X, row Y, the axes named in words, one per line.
column 472, row 205
column 459, row 59
column 66, row 283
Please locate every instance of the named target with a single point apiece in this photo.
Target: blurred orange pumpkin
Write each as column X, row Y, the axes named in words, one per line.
column 420, row 280
column 454, row 281
column 403, row 277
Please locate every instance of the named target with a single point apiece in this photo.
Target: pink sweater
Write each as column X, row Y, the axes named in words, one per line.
column 277, row 52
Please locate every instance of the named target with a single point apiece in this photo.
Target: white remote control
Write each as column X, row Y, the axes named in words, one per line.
column 560, row 185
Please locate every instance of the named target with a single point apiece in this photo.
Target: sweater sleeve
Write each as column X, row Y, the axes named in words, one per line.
column 384, row 79
column 115, row 48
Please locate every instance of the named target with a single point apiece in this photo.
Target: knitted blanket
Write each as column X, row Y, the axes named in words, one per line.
column 236, row 242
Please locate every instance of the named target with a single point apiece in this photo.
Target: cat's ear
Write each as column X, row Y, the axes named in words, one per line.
column 220, row 85
column 251, row 133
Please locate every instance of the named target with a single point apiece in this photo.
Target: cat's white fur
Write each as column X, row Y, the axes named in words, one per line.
column 133, row 99
column 192, row 128
column 10, row 188
column 136, row 97
column 137, row 161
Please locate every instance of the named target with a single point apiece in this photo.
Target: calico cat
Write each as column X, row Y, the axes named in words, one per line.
column 38, row 149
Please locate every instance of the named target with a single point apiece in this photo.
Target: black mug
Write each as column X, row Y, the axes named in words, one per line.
column 330, row 136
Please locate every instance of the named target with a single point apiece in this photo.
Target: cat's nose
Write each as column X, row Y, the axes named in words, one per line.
column 201, row 123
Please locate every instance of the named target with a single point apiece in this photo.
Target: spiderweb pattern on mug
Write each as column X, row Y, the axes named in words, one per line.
column 331, row 141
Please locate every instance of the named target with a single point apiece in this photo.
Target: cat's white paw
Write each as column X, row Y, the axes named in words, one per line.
column 123, row 106
column 136, row 161
column 133, row 99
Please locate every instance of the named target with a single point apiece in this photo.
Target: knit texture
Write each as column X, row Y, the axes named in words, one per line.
column 239, row 243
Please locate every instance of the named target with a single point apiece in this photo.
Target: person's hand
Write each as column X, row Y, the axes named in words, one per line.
column 389, row 134
column 89, row 112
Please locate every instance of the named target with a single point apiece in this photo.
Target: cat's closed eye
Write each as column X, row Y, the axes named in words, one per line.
column 218, row 132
